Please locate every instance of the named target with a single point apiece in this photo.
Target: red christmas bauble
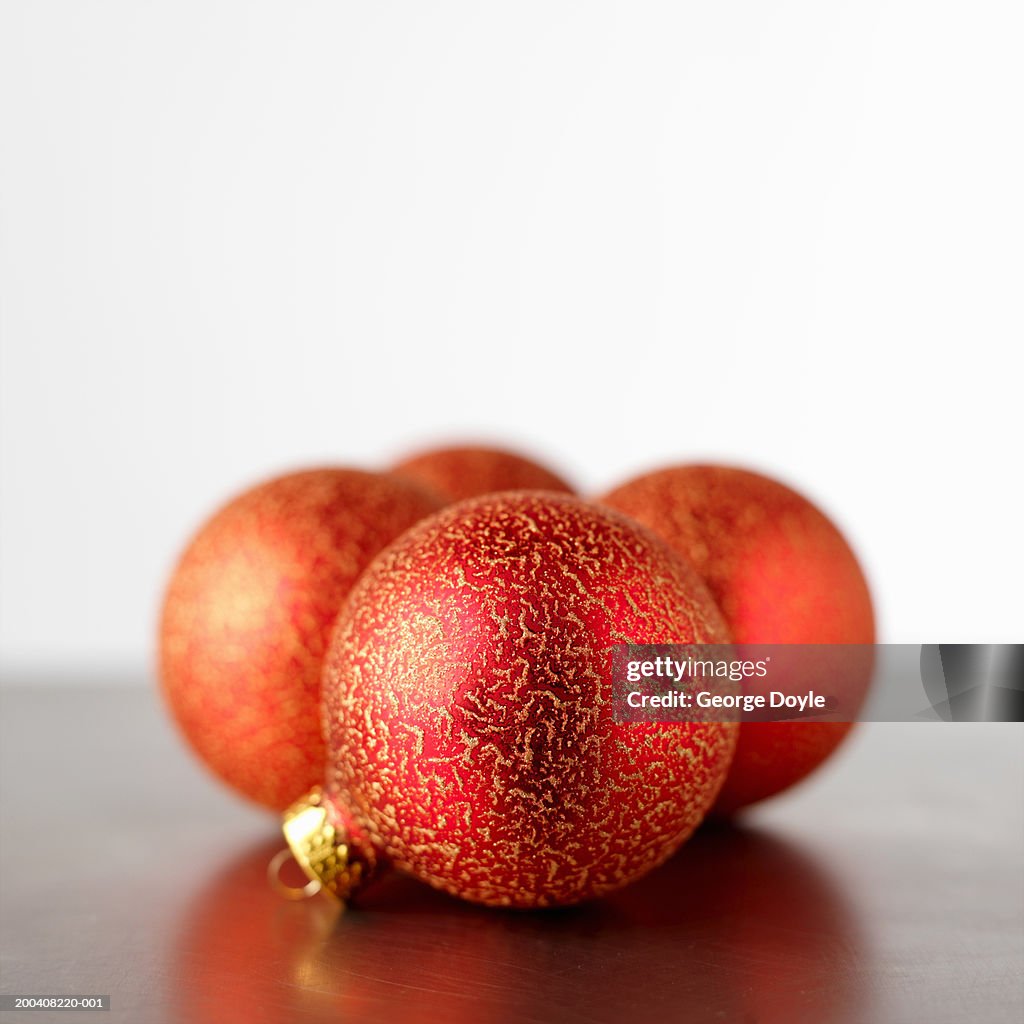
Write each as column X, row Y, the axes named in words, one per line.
column 467, row 702
column 466, row 472
column 247, row 614
column 781, row 573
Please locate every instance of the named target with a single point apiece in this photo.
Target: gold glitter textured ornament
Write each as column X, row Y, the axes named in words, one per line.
column 467, row 702
column 471, row 470
column 782, row 573
column 248, row 613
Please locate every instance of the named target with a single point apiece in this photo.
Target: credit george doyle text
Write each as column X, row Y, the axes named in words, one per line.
column 817, row 682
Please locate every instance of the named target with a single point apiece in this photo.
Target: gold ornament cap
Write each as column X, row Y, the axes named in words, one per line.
column 334, row 863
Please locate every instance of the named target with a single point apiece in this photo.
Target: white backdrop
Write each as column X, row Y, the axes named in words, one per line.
column 240, row 237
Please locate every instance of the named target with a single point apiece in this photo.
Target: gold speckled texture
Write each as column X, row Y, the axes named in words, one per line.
column 467, row 702
column 469, row 471
column 248, row 612
column 782, row 573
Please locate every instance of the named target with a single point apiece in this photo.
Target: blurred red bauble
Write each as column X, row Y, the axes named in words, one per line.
column 247, row 614
column 457, row 473
column 781, row 573
column 467, row 702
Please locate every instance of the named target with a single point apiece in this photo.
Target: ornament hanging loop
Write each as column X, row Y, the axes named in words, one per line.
column 335, row 863
column 290, row 892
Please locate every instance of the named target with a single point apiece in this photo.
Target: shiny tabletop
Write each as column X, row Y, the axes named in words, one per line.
column 889, row 887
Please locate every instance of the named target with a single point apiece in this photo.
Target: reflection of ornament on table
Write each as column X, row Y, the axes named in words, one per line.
column 739, row 925
column 755, row 927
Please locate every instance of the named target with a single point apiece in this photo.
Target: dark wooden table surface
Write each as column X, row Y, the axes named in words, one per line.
column 890, row 888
